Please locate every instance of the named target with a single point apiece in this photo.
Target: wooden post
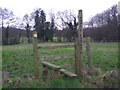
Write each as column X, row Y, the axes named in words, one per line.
column 55, row 73
column 88, row 53
column 45, row 73
column 35, row 53
column 78, row 46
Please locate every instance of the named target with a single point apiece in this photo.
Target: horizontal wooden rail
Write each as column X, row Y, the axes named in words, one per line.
column 55, row 57
column 54, row 47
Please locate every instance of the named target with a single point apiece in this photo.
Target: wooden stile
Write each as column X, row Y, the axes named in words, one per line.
column 57, row 69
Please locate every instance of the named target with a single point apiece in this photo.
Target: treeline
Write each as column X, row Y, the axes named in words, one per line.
column 44, row 29
column 11, row 36
column 104, row 26
column 61, row 24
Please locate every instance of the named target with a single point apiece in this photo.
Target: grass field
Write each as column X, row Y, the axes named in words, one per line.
column 17, row 61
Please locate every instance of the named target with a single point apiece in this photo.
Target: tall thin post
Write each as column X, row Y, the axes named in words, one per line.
column 35, row 53
column 78, row 46
column 88, row 50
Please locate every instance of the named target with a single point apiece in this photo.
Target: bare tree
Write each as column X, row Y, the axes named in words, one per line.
column 7, row 17
column 104, row 25
column 69, row 23
column 52, row 24
column 27, row 20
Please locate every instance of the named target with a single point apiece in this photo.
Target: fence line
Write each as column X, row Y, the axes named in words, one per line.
column 55, row 57
column 54, row 47
column 78, row 54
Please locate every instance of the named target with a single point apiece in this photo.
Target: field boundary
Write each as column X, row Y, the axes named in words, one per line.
column 56, row 57
column 78, row 52
column 54, row 47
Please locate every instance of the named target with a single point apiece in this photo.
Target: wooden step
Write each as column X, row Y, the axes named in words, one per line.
column 49, row 65
column 62, row 71
column 67, row 73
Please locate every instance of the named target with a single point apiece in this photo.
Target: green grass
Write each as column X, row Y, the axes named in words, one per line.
column 24, row 40
column 56, row 39
column 18, row 61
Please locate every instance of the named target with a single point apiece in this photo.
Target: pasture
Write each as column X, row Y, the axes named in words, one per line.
column 17, row 61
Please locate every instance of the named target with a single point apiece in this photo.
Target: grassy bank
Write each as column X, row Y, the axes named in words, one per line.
column 17, row 60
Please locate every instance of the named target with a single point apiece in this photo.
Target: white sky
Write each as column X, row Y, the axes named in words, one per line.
column 89, row 7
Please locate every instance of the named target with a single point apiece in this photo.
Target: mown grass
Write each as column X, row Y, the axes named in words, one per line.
column 18, row 61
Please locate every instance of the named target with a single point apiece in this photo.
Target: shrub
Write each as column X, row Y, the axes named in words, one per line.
column 11, row 41
column 4, row 41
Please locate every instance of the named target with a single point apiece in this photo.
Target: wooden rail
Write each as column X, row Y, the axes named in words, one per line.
column 54, row 47
column 55, row 57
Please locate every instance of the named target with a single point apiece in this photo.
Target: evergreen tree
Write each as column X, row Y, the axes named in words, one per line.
column 37, row 23
column 7, row 35
column 28, row 32
column 42, row 25
column 52, row 29
column 47, row 31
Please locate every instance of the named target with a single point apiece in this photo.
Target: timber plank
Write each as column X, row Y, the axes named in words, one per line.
column 51, row 66
column 62, row 71
column 67, row 73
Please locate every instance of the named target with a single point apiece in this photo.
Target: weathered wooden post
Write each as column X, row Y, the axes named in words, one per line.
column 88, row 50
column 35, row 53
column 45, row 73
column 56, row 73
column 78, row 47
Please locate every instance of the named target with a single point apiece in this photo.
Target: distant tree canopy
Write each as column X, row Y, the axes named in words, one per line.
column 69, row 23
column 7, row 18
column 44, row 29
column 104, row 26
column 101, row 27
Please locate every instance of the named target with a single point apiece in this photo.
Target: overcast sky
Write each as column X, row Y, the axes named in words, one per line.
column 89, row 7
